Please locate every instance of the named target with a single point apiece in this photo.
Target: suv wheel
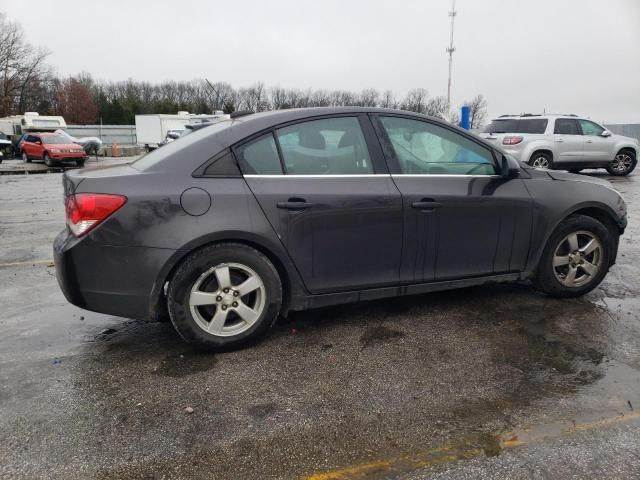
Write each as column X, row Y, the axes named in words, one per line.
column 623, row 164
column 541, row 160
column 47, row 160
column 25, row 158
column 224, row 296
column 575, row 259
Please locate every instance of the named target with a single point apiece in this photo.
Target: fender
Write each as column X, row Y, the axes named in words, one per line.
column 292, row 280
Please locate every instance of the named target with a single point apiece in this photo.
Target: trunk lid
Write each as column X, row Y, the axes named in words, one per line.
column 72, row 179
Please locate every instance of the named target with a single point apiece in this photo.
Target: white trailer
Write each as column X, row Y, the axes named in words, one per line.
column 152, row 129
column 16, row 125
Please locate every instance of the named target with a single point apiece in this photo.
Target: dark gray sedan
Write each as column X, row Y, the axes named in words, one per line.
column 227, row 228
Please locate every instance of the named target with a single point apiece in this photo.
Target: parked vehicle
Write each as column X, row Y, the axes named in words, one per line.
column 253, row 217
column 91, row 145
column 5, row 145
column 30, row 122
column 172, row 135
column 564, row 142
column 51, row 148
column 152, row 129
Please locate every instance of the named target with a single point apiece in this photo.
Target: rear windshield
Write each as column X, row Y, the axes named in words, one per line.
column 159, row 154
column 517, row 125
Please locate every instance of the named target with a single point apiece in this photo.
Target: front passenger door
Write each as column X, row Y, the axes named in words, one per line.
column 596, row 147
column 461, row 218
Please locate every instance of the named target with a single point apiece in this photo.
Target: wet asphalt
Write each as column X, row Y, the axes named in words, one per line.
column 490, row 382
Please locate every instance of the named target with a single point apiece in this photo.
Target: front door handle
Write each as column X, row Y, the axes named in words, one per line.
column 294, row 204
column 560, row 140
column 426, row 204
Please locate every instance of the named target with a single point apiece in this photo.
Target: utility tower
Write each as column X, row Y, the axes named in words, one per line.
column 450, row 50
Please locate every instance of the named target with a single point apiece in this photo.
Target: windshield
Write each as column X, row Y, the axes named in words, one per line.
column 155, row 156
column 55, row 139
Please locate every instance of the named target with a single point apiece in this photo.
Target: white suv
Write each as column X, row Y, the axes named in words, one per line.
column 565, row 142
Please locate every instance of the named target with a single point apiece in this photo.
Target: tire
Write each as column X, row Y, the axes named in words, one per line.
column 541, row 160
column 47, row 160
column 200, row 272
column 25, row 158
column 80, row 163
column 549, row 277
column 575, row 170
column 624, row 163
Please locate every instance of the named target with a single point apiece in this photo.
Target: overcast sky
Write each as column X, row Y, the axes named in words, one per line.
column 578, row 56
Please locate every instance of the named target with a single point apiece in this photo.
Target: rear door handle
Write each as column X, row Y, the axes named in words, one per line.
column 426, row 204
column 294, row 204
column 560, row 140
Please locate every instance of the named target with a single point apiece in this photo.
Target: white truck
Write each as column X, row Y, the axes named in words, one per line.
column 152, row 129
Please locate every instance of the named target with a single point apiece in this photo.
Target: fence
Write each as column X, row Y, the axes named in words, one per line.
column 109, row 134
column 627, row 129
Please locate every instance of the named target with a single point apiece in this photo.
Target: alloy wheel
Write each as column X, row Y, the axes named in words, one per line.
column 621, row 163
column 227, row 299
column 577, row 259
column 540, row 162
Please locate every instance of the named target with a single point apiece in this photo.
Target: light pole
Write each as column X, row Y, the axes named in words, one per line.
column 450, row 50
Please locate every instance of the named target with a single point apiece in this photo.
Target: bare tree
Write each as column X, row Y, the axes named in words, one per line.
column 21, row 64
column 388, row 100
column 416, row 100
column 369, row 98
column 436, row 107
column 478, row 110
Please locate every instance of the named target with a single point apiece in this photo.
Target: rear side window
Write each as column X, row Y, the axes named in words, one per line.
column 332, row 146
column 259, row 157
column 566, row 126
column 524, row 125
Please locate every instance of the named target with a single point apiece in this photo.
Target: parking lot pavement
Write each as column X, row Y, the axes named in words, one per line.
column 491, row 382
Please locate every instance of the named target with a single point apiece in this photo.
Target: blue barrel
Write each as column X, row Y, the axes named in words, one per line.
column 465, row 117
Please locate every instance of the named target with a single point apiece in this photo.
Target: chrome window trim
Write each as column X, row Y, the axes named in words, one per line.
column 364, row 175
column 446, row 175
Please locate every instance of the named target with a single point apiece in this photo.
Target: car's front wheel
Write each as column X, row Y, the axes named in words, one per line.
column 224, row 296
column 623, row 164
column 47, row 160
column 576, row 257
column 541, row 160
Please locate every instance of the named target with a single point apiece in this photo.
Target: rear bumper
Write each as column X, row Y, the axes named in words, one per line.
column 113, row 280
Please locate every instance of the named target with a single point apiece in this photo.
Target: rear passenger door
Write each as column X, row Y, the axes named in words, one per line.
column 568, row 140
column 325, row 189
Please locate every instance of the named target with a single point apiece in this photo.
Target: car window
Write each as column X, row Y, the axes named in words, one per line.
column 331, row 146
column 566, row 126
column 511, row 125
column 259, row 157
column 590, row 128
column 55, row 140
column 425, row 148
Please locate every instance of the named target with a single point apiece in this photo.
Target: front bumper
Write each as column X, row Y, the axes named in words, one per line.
column 67, row 157
column 114, row 280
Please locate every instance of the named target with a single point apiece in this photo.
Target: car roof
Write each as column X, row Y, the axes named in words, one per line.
column 536, row 116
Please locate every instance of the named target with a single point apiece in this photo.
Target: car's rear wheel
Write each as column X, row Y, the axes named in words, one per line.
column 623, row 164
column 224, row 296
column 575, row 170
column 47, row 160
column 80, row 163
column 576, row 257
column 25, row 158
column 541, row 160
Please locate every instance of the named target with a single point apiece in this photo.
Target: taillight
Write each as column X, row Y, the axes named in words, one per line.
column 512, row 140
column 86, row 210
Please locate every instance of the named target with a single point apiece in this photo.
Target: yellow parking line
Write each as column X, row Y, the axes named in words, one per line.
column 469, row 448
column 31, row 262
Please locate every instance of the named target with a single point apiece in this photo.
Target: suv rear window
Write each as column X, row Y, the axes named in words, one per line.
column 517, row 125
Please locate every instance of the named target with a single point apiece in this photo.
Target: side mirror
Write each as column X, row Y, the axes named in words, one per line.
column 509, row 167
column 605, row 133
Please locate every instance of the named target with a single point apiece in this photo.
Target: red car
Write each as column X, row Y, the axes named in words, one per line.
column 52, row 148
